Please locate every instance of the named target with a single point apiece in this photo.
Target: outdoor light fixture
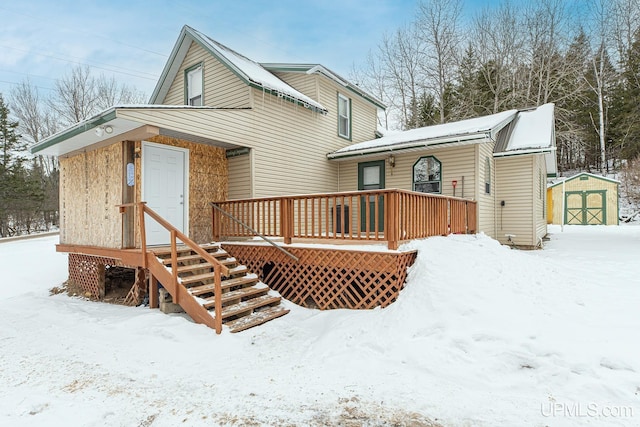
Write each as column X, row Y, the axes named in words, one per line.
column 391, row 160
column 108, row 129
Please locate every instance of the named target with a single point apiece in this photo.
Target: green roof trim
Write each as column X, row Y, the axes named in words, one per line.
column 81, row 127
column 581, row 174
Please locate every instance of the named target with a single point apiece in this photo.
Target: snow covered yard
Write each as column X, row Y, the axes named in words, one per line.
column 481, row 336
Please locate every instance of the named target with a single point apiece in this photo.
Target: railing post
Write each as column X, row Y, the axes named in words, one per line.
column 218, row 300
column 143, row 234
column 153, row 292
column 286, row 219
column 215, row 222
column 174, row 265
column 391, row 231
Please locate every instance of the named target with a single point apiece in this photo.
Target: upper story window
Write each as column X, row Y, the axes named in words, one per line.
column 193, row 81
column 427, row 175
column 344, row 116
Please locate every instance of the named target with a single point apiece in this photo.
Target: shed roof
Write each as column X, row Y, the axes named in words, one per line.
column 603, row 178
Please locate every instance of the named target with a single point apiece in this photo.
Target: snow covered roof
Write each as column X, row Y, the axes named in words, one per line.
column 465, row 131
column 569, row 178
column 322, row 70
column 516, row 132
column 533, row 129
column 247, row 70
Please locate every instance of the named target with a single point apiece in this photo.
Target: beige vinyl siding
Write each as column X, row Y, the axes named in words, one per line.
column 291, row 142
column 363, row 116
column 229, row 126
column 302, row 82
column 540, row 192
column 486, row 202
column 458, row 163
column 590, row 184
column 515, row 185
column 289, row 152
column 240, row 177
column 222, row 88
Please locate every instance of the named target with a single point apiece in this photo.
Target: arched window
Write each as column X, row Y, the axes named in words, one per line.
column 427, row 175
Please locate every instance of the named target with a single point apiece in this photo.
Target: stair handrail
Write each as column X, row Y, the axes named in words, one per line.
column 254, row 231
column 218, row 268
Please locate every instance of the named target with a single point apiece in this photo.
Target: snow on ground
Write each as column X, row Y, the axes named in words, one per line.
column 482, row 335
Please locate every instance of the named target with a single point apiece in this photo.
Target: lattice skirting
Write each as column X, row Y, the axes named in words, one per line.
column 87, row 272
column 328, row 278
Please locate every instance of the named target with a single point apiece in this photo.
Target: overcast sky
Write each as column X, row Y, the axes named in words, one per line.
column 131, row 40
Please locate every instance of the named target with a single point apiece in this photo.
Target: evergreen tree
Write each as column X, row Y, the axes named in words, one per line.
column 625, row 128
column 21, row 192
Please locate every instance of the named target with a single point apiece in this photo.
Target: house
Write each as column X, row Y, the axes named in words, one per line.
column 584, row 199
column 502, row 161
column 229, row 148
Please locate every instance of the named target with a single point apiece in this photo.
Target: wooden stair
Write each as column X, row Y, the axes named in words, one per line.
column 246, row 301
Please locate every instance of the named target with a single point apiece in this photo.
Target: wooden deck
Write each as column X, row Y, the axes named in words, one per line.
column 390, row 216
column 229, row 283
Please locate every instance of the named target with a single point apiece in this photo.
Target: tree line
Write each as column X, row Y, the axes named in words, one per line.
column 582, row 55
column 30, row 184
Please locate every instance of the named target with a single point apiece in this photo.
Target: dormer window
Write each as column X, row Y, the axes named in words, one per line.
column 193, row 81
column 344, row 116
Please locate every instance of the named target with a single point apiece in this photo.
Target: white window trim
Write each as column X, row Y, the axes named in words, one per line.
column 190, row 86
column 347, row 116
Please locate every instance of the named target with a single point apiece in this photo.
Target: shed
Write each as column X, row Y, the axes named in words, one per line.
column 588, row 200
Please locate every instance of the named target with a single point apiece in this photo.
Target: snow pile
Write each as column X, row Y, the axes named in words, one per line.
column 482, row 335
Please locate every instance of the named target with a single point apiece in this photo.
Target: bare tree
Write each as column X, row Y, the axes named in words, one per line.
column 602, row 73
column 372, row 78
column 437, row 24
column 626, row 22
column 75, row 96
column 36, row 120
column 401, row 56
column 109, row 93
column 498, row 41
column 79, row 95
column 546, row 23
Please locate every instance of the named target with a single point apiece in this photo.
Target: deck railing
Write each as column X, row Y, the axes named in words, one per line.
column 379, row 215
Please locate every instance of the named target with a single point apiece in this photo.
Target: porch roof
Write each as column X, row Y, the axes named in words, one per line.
column 134, row 122
column 479, row 129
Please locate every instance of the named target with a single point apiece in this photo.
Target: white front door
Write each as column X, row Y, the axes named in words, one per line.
column 164, row 189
